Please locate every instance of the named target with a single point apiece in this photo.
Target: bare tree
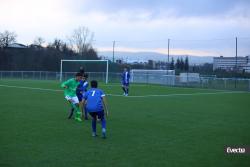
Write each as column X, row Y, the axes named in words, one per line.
column 39, row 41
column 57, row 44
column 7, row 38
column 81, row 40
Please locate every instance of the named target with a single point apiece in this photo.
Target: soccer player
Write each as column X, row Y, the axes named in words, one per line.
column 125, row 81
column 70, row 95
column 80, row 91
column 81, row 70
column 96, row 106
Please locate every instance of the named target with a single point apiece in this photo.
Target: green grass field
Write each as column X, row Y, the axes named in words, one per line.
column 181, row 127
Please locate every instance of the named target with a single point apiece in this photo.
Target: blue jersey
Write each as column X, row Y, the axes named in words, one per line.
column 82, row 87
column 125, row 77
column 85, row 86
column 94, row 100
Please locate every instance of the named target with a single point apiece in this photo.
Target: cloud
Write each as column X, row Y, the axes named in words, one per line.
column 142, row 24
column 183, row 7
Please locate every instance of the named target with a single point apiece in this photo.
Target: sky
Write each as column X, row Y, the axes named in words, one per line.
column 194, row 27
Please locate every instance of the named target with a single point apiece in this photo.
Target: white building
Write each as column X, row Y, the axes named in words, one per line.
column 17, row 45
column 229, row 63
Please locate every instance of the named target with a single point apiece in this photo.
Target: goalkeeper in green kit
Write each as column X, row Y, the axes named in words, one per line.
column 70, row 95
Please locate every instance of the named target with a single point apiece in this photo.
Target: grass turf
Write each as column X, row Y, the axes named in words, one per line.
column 142, row 131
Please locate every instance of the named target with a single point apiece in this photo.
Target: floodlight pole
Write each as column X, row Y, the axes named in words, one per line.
column 107, row 72
column 236, row 61
column 61, row 71
column 168, row 49
column 168, row 57
column 113, row 51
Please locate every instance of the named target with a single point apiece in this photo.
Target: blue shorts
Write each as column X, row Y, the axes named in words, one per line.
column 79, row 96
column 125, row 84
column 99, row 115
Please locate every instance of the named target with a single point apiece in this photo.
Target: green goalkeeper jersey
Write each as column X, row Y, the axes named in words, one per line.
column 71, row 87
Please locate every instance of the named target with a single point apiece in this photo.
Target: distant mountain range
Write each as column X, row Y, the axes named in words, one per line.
column 145, row 56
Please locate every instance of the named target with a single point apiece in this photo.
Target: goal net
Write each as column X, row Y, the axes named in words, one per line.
column 165, row 77
column 96, row 69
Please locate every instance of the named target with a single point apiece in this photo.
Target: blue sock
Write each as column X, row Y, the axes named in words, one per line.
column 103, row 124
column 94, row 125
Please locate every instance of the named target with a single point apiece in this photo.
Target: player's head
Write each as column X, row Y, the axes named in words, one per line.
column 81, row 70
column 94, row 84
column 125, row 69
column 78, row 76
column 85, row 77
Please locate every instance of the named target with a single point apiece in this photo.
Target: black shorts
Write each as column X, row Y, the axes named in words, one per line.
column 99, row 115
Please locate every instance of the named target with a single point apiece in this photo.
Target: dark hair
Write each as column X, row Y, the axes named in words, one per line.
column 85, row 75
column 78, row 74
column 94, row 84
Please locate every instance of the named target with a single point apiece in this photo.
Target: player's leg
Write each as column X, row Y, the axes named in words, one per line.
column 93, row 115
column 71, row 112
column 81, row 105
column 80, row 99
column 85, row 113
column 123, row 88
column 127, row 88
column 75, row 104
column 103, row 122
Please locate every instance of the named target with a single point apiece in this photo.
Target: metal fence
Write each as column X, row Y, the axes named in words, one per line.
column 169, row 80
column 195, row 82
column 48, row 75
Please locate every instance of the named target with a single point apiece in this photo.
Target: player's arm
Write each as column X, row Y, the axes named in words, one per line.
column 105, row 104
column 84, row 99
column 65, row 84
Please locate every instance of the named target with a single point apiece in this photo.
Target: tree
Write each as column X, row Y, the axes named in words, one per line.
column 186, row 64
column 181, row 64
column 172, row 64
column 7, row 38
column 38, row 41
column 81, row 40
column 57, row 44
column 178, row 63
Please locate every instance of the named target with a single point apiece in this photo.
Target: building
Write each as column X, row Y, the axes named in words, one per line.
column 229, row 63
column 247, row 68
column 17, row 45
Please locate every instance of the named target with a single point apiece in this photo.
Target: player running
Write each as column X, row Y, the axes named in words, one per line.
column 125, row 81
column 80, row 91
column 70, row 95
column 96, row 106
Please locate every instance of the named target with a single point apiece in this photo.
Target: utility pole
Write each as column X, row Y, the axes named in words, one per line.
column 168, row 51
column 236, row 61
column 113, row 51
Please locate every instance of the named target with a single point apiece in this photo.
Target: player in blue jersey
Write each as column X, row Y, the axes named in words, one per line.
column 80, row 90
column 83, row 89
column 125, row 81
column 96, row 106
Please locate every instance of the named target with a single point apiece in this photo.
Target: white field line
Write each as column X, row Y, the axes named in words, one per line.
column 119, row 85
column 179, row 94
column 142, row 96
column 30, row 88
column 172, row 87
